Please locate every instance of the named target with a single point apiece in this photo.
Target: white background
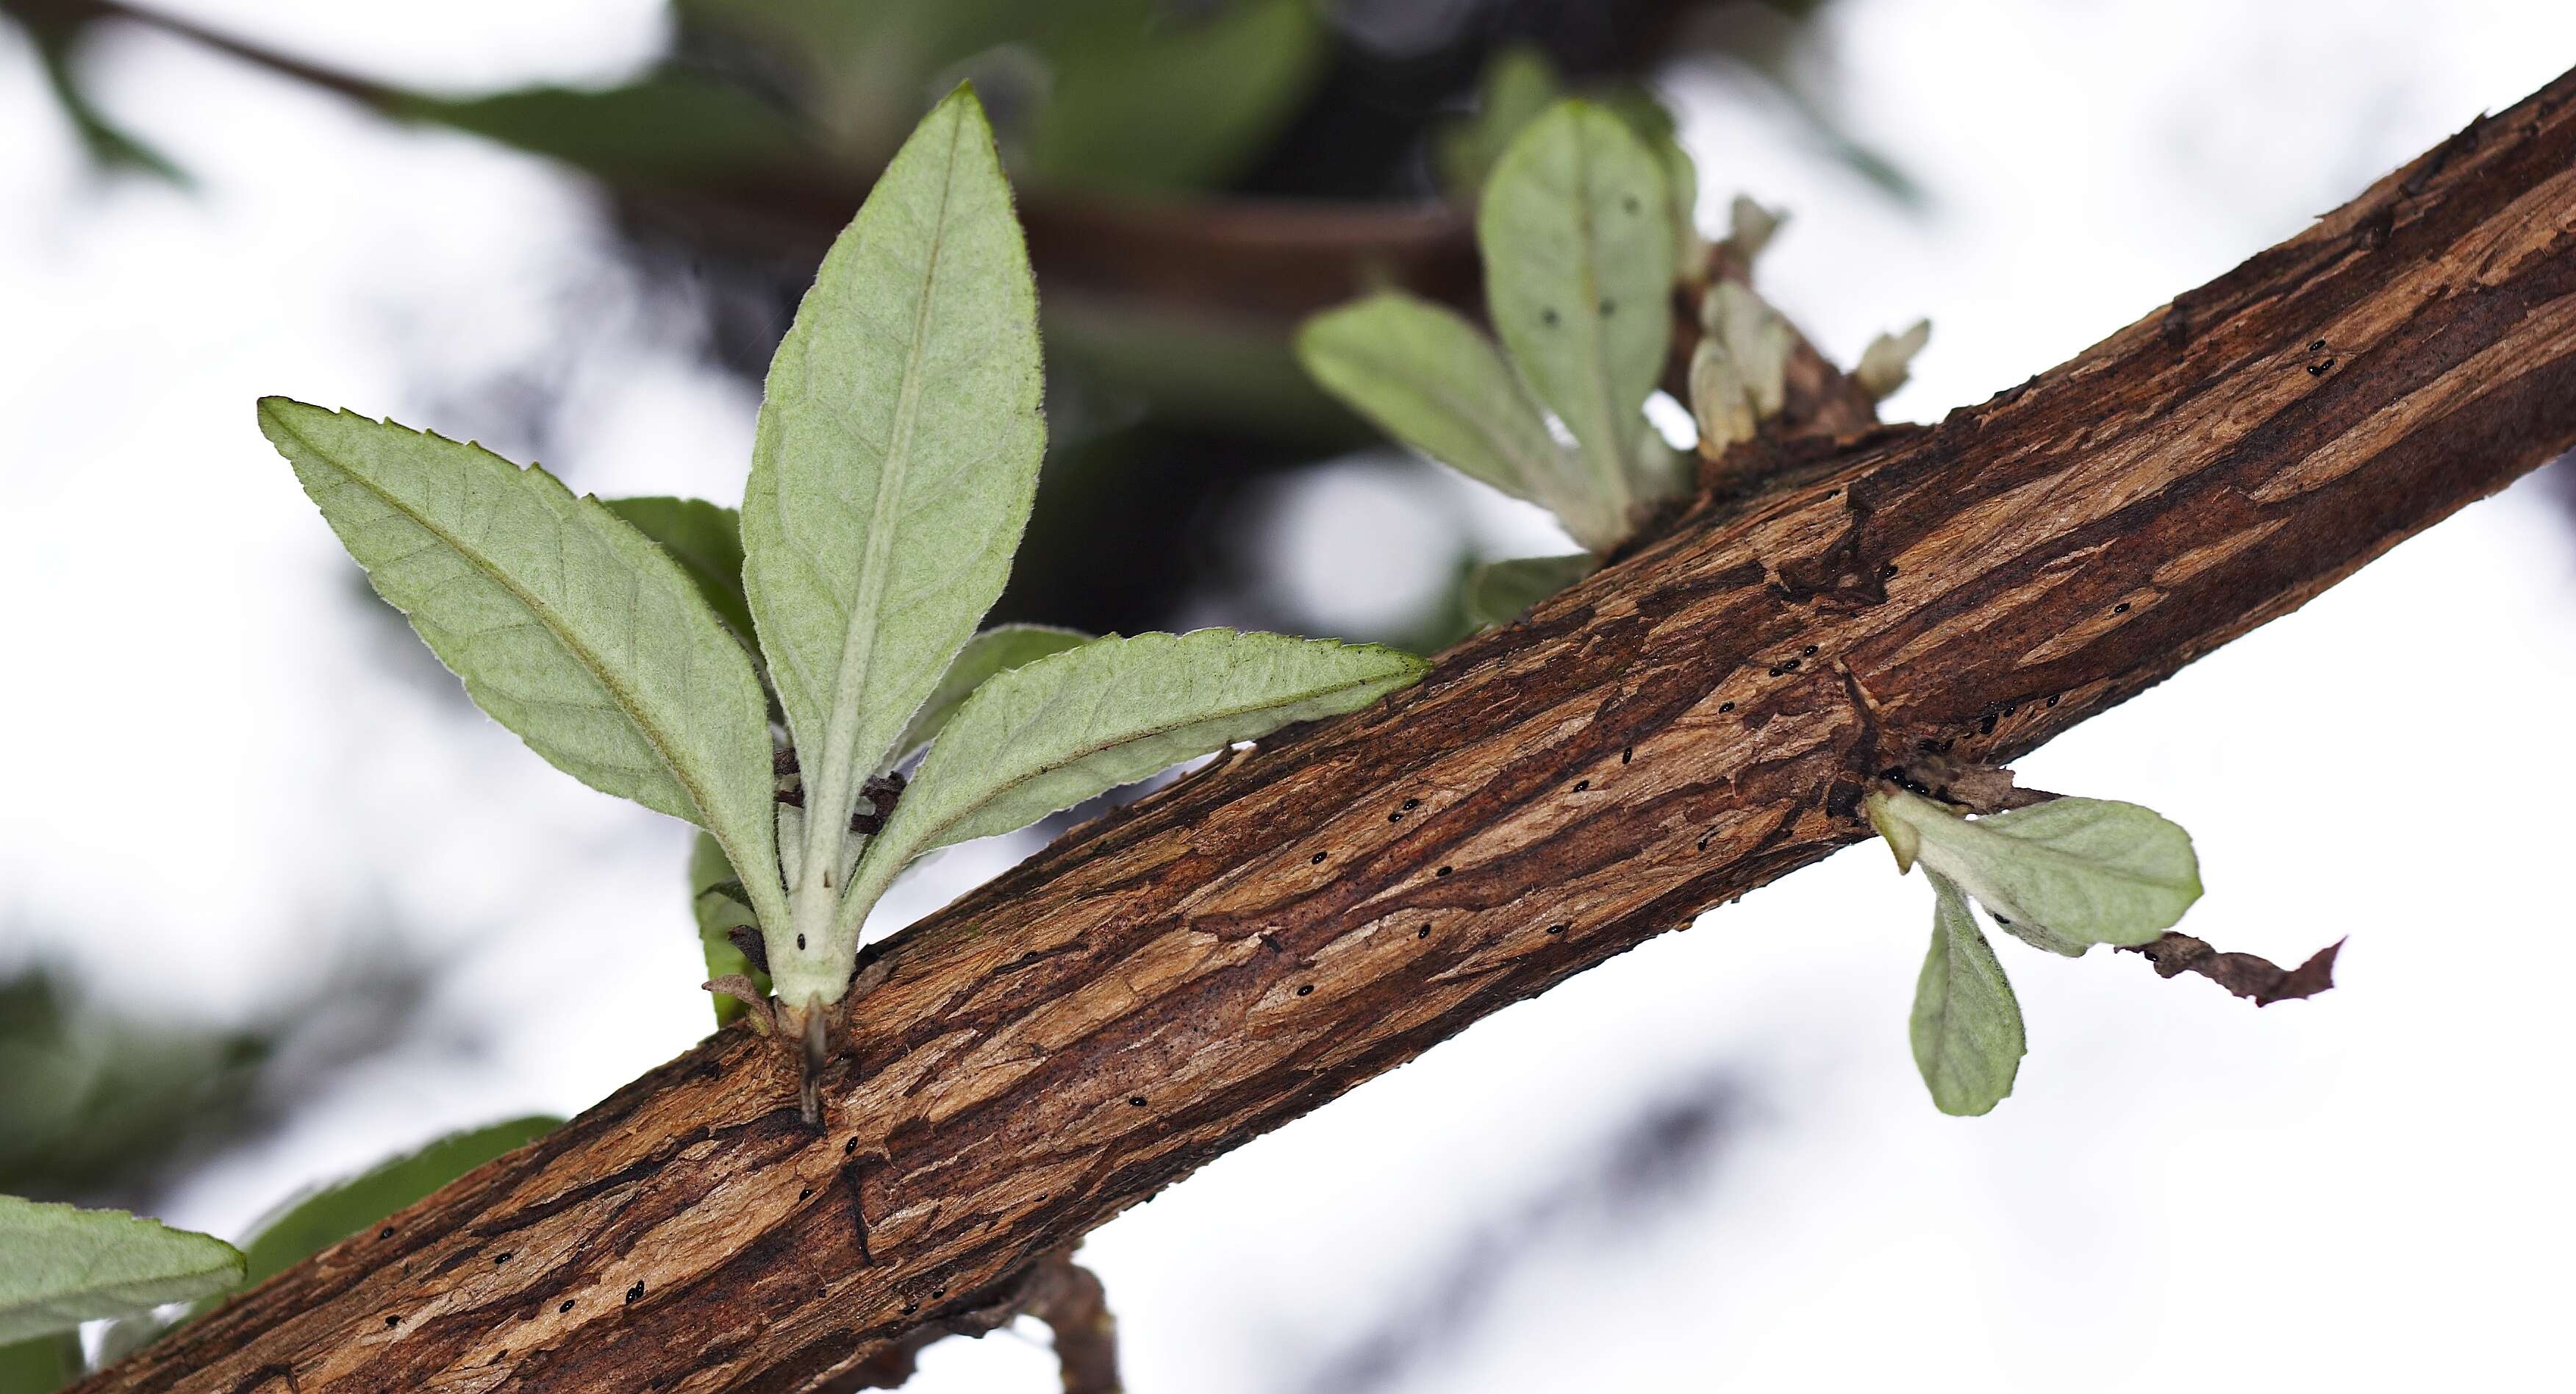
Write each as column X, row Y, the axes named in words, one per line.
column 224, row 776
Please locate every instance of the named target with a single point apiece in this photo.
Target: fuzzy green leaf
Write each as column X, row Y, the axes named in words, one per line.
column 1048, row 735
column 2077, row 872
column 1430, row 379
column 61, row 1265
column 706, row 540
column 997, row 650
column 715, row 901
column 1967, row 1029
column 567, row 626
column 1498, row 592
column 895, row 461
column 1579, row 259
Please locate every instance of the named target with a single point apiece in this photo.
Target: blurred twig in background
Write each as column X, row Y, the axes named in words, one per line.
column 1196, row 177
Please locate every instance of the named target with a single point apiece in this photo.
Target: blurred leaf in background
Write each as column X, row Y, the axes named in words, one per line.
column 101, row 1105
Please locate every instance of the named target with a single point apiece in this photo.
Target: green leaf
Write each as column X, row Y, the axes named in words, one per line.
column 1066, row 727
column 1427, row 377
column 567, row 626
column 706, row 540
column 40, row 1364
column 892, row 473
column 61, row 1266
column 714, row 900
column 1500, row 591
column 666, row 129
column 2077, row 872
column 1518, row 83
column 1148, row 97
column 1579, row 264
column 311, row 1223
column 997, row 650
column 1967, row 1026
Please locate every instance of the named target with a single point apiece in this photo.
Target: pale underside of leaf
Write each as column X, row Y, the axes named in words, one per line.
column 1578, row 248
column 996, row 650
column 1048, row 735
column 2073, row 872
column 566, row 625
column 61, row 1265
column 1966, row 1026
column 1427, row 377
column 893, row 468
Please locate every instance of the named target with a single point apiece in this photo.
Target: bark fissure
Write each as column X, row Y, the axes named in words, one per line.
column 1695, row 720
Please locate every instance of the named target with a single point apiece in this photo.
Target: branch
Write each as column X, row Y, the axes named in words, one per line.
column 1171, row 981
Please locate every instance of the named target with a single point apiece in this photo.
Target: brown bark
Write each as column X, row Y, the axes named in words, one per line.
column 1697, row 719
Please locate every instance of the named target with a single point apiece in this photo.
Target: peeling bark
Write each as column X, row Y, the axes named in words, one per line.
column 1695, row 720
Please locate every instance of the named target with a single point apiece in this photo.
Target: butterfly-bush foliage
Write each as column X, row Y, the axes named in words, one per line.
column 658, row 648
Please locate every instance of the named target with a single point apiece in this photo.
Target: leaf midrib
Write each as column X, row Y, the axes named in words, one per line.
column 1533, row 472
column 624, row 699
column 1098, row 747
column 858, row 640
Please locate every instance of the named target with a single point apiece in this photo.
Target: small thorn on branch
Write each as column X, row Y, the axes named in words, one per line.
column 2246, row 975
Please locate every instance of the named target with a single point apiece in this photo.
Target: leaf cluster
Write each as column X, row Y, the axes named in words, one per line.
column 764, row 673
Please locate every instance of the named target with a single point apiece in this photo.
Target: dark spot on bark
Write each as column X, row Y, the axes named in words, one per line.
column 2317, row 347
column 1556, row 929
column 2120, row 609
column 911, row 1307
column 804, row 1193
column 1777, row 670
column 1703, row 844
column 635, row 1293
column 2319, row 369
column 393, row 1322
column 1316, row 860
column 1809, row 651
column 1627, row 753
column 1887, row 571
column 386, row 1233
column 1271, row 942
column 849, row 1147
column 501, row 1258
column 1422, row 933
column 1305, row 989
column 566, row 1307
column 1396, row 817
column 1133, row 1101
column 1726, row 706
column 800, row 941
column 1987, row 726
column 1999, row 919
column 1413, row 803
column 2052, row 701
column 937, row 1293
column 1441, row 872
column 1582, row 784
